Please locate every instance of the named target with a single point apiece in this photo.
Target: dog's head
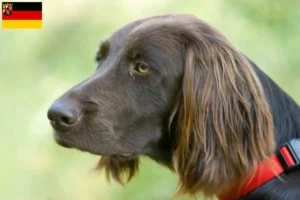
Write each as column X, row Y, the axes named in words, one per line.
column 173, row 88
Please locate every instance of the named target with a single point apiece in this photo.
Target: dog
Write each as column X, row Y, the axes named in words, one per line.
column 174, row 89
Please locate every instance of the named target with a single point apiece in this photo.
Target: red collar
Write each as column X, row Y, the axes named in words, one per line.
column 287, row 158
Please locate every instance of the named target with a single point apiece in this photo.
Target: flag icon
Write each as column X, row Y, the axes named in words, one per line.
column 22, row 15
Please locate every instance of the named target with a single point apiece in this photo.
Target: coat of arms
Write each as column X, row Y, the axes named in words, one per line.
column 7, row 9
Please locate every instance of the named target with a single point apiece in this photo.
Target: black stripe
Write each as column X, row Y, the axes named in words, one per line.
column 26, row 6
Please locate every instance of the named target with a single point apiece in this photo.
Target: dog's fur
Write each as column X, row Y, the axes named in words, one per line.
column 204, row 109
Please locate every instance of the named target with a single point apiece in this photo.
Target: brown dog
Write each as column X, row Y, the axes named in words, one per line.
column 174, row 89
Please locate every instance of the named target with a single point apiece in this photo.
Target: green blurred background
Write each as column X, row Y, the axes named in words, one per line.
column 36, row 66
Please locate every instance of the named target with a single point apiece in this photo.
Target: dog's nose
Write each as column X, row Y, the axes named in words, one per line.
column 63, row 115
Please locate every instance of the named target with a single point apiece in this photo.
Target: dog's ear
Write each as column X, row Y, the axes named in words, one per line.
column 118, row 169
column 224, row 123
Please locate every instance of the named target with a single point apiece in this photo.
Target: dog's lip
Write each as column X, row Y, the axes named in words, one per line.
column 61, row 141
column 127, row 154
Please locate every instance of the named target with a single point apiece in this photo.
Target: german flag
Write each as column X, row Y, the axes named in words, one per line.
column 21, row 15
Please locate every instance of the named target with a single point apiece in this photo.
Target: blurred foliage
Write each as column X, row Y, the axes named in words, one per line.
column 39, row 65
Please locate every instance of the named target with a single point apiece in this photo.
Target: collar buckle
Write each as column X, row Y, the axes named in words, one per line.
column 289, row 155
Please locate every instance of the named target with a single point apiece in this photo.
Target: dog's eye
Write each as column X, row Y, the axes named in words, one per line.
column 103, row 51
column 142, row 68
column 98, row 56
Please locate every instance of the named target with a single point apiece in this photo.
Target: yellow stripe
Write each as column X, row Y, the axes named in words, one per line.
column 21, row 23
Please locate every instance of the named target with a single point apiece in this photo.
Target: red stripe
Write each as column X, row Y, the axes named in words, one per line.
column 26, row 15
column 289, row 159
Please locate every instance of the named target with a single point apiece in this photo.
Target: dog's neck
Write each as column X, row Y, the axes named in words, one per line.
column 285, row 111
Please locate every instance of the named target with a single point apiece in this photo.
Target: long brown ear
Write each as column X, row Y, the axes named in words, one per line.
column 225, row 127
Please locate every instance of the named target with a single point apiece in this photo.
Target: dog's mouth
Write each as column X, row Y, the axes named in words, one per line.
column 122, row 155
column 62, row 142
column 125, row 156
